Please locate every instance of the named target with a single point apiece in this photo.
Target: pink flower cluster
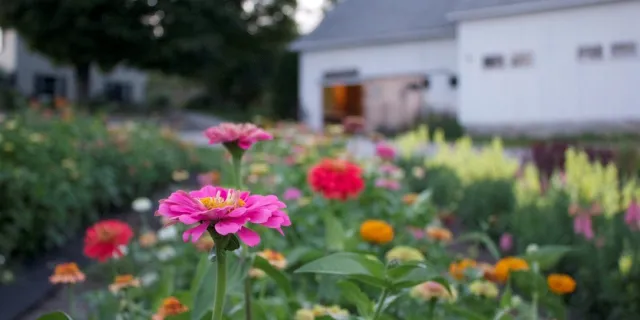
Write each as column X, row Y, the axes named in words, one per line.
column 244, row 134
column 228, row 211
column 385, row 151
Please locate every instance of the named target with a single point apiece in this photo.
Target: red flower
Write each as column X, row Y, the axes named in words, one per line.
column 336, row 179
column 102, row 241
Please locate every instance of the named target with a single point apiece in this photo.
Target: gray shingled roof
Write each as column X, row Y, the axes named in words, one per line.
column 482, row 9
column 362, row 22
column 357, row 22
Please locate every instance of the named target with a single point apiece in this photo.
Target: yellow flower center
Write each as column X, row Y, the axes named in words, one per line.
column 232, row 200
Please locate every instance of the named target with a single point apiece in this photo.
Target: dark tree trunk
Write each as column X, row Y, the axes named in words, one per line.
column 83, row 80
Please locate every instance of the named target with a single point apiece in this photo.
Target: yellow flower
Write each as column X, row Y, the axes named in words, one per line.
column 170, row 307
column 457, row 270
column 259, row 169
column 404, row 254
column 180, row 175
column 432, row 290
column 439, row 234
column 67, row 273
column 304, row 314
column 36, row 137
column 625, row 263
column 483, row 288
column 506, row 265
column 123, row 282
column 561, row 283
column 376, row 231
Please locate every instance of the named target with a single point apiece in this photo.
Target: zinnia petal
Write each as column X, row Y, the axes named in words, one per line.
column 195, row 232
column 248, row 236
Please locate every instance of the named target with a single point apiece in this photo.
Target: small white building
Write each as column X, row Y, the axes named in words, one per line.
column 34, row 75
column 521, row 65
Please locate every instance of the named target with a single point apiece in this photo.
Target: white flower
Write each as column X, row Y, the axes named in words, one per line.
column 165, row 253
column 149, row 278
column 141, row 205
column 168, row 233
column 532, row 248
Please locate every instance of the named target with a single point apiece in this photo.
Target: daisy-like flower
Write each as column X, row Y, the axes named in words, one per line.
column 336, row 179
column 170, row 307
column 67, row 273
column 226, row 211
column 105, row 239
column 243, row 135
column 124, row 281
column 276, row 259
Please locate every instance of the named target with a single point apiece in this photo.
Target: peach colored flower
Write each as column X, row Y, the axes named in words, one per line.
column 243, row 135
column 67, row 273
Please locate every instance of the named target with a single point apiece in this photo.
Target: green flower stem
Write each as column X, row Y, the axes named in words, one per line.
column 72, row 302
column 534, row 298
column 383, row 297
column 221, row 281
column 432, row 308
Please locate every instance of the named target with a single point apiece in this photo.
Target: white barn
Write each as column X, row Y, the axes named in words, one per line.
column 518, row 65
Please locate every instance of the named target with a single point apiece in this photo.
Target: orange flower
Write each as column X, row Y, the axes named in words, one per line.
column 439, row 234
column 376, row 231
column 561, row 283
column 170, row 307
column 205, row 243
column 410, row 198
column 276, row 259
column 67, row 273
column 148, row 239
column 458, row 269
column 122, row 282
column 506, row 265
column 488, row 271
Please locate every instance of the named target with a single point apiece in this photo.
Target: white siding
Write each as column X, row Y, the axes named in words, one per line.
column 420, row 57
column 9, row 51
column 557, row 88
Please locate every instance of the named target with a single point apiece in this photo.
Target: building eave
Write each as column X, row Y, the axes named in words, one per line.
column 522, row 8
column 302, row 45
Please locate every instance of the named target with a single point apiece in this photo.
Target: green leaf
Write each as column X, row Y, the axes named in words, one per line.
column 505, row 300
column 354, row 295
column 463, row 312
column 334, row 233
column 166, row 286
column 547, row 257
column 482, row 238
column 409, row 275
column 278, row 276
column 234, row 243
column 182, row 316
column 201, row 271
column 303, row 254
column 553, row 305
column 55, row 316
column 346, row 264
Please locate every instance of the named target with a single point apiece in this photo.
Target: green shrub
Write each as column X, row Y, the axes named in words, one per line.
column 445, row 186
column 486, row 203
column 58, row 175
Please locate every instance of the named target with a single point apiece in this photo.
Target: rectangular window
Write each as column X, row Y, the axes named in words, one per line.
column 118, row 91
column 626, row 49
column 590, row 53
column 493, row 61
column 522, row 60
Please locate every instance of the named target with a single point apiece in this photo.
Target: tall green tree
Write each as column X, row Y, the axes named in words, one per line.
column 82, row 33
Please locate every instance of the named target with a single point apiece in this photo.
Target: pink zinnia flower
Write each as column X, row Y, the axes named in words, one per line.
column 385, row 151
column 632, row 216
column 244, row 135
column 226, row 210
column 292, row 194
column 506, row 242
column 418, row 233
column 388, row 184
column 582, row 225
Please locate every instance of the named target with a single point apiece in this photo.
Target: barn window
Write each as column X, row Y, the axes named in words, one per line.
column 590, row 53
column 493, row 61
column 522, row 60
column 626, row 49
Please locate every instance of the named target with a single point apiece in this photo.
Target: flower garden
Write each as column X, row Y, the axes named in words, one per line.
column 288, row 225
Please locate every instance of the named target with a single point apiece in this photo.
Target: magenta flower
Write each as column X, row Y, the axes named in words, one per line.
column 506, row 242
column 244, row 134
column 632, row 216
column 582, row 224
column 228, row 211
column 292, row 194
column 385, row 151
